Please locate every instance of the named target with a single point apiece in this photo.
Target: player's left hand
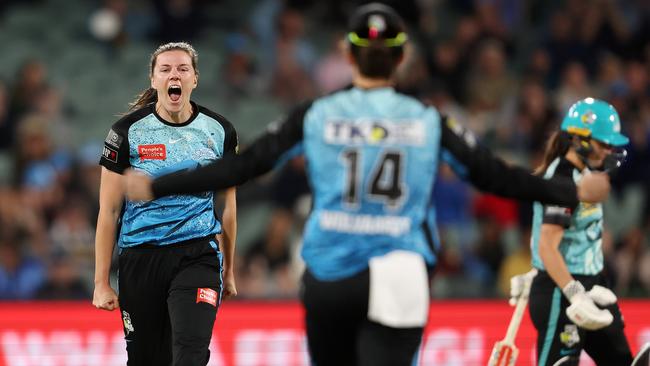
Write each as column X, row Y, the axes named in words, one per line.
column 602, row 295
column 229, row 287
column 137, row 186
column 593, row 187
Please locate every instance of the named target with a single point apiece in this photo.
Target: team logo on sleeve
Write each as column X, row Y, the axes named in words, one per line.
column 110, row 154
column 152, row 152
column 206, row 295
column 114, row 139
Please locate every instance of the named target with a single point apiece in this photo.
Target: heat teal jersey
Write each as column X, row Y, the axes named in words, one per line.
column 144, row 141
column 372, row 157
column 371, row 170
column 581, row 245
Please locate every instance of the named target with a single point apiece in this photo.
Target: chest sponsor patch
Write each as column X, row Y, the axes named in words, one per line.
column 375, row 132
column 110, row 154
column 152, row 152
column 206, row 295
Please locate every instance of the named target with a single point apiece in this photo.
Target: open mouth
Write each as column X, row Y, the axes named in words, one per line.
column 174, row 92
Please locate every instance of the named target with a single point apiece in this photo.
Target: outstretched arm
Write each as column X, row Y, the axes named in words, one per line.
column 487, row 172
column 260, row 157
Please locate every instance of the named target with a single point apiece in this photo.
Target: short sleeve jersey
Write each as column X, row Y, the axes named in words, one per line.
column 581, row 245
column 144, row 141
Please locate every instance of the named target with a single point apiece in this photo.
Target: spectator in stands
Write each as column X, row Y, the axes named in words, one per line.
column 64, row 281
column 534, row 118
column 333, row 71
column 271, row 256
column 516, row 262
column 574, row 86
column 32, row 78
column 629, row 259
column 239, row 69
column 446, row 69
column 7, row 126
column 563, row 45
column 294, row 60
column 21, row 274
column 179, row 20
column 488, row 86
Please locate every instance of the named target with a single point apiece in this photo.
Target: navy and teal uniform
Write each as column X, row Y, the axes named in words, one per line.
column 581, row 249
column 168, row 250
column 372, row 157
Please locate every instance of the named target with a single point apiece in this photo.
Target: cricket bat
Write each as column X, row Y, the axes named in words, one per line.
column 504, row 352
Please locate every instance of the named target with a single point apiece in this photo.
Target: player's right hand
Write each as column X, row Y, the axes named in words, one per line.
column 583, row 311
column 105, row 298
column 517, row 285
column 593, row 187
column 229, row 286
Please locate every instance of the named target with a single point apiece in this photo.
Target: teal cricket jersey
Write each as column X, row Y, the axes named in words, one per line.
column 146, row 142
column 581, row 244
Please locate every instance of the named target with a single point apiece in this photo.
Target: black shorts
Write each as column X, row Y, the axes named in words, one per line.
column 558, row 337
column 339, row 332
column 169, row 296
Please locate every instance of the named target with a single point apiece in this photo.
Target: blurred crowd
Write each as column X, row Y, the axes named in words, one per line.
column 507, row 69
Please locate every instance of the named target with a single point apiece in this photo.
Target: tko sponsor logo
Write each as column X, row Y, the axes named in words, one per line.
column 373, row 132
column 152, row 152
column 206, row 295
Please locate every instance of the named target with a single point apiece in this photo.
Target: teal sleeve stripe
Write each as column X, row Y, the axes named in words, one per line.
column 552, row 325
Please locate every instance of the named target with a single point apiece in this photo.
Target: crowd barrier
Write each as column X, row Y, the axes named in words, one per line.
column 460, row 333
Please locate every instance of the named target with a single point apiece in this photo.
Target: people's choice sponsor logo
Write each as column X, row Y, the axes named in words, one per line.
column 152, row 152
column 206, row 295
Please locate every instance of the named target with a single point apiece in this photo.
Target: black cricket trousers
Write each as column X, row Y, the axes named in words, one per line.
column 558, row 337
column 339, row 332
column 169, row 296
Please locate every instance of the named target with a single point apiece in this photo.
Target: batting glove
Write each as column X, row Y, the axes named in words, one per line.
column 583, row 311
column 602, row 295
column 517, row 284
